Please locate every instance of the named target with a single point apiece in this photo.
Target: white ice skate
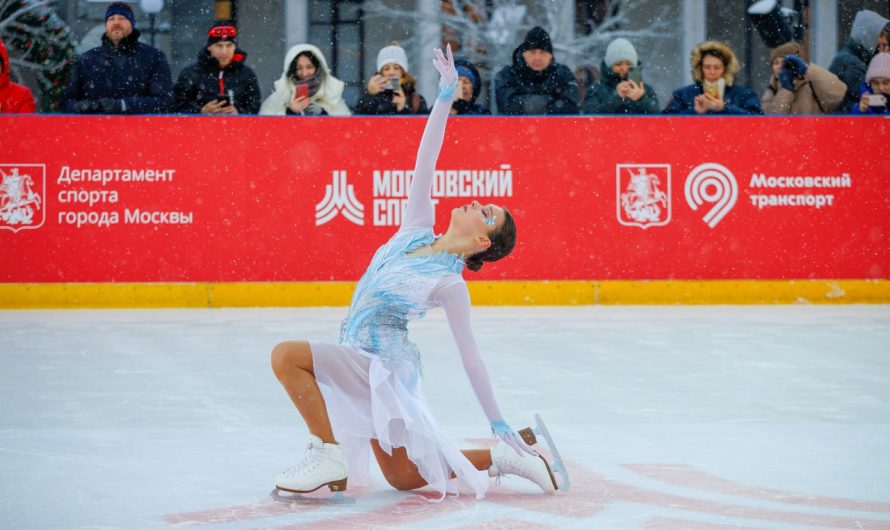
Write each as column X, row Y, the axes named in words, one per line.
column 505, row 461
column 322, row 465
column 558, row 467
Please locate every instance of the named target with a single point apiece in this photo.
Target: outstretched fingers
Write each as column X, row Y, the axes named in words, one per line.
column 445, row 65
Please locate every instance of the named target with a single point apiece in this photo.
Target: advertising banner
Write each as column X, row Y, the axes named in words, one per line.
column 242, row 199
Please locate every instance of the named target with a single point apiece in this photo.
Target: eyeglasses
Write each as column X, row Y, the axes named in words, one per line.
column 222, row 31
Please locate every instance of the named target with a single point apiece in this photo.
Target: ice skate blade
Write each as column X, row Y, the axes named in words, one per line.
column 287, row 496
column 558, row 466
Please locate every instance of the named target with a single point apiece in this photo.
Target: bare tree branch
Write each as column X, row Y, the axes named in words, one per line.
column 489, row 43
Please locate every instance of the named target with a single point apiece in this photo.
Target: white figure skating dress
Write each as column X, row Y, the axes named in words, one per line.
column 371, row 381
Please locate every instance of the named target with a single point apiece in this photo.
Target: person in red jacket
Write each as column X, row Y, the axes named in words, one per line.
column 13, row 96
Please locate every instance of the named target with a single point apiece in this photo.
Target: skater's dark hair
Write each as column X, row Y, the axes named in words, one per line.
column 502, row 239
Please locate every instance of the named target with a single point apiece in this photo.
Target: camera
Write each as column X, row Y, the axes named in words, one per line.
column 392, row 83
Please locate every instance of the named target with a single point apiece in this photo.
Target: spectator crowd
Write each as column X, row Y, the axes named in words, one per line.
column 126, row 76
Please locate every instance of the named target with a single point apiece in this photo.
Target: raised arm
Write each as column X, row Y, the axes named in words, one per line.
column 455, row 299
column 419, row 211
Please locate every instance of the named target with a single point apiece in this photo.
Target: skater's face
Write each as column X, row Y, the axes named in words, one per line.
column 712, row 68
column 537, row 59
column 117, row 27
column 223, row 51
column 476, row 219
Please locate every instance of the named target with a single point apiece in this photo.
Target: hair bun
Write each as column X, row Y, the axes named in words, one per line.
column 474, row 264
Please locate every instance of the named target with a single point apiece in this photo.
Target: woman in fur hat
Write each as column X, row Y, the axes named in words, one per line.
column 714, row 66
column 321, row 93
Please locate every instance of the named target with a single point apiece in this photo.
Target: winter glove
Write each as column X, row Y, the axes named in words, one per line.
column 87, row 106
column 786, row 79
column 797, row 65
column 444, row 63
column 508, row 435
column 462, row 106
column 111, row 106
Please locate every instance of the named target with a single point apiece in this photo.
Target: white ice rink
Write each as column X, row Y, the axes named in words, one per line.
column 702, row 418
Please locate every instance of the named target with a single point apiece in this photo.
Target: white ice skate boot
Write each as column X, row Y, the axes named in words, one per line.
column 322, row 465
column 505, row 461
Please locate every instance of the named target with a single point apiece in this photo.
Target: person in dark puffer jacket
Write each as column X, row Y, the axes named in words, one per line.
column 616, row 93
column 220, row 71
column 122, row 75
column 535, row 83
column 852, row 61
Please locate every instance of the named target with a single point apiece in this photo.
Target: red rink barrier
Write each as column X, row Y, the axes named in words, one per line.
column 192, row 199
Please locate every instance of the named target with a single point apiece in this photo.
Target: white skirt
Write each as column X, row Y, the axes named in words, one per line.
column 366, row 400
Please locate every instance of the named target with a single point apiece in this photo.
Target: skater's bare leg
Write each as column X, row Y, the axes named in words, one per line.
column 292, row 364
column 402, row 474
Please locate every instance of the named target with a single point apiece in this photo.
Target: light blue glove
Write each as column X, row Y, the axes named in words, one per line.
column 503, row 431
column 444, row 63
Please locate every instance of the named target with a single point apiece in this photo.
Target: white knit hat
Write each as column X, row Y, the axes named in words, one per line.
column 620, row 50
column 878, row 67
column 392, row 54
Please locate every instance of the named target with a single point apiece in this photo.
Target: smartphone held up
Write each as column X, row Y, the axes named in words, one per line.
column 877, row 101
column 225, row 99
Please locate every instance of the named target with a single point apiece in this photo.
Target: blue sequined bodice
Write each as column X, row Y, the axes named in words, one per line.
column 395, row 289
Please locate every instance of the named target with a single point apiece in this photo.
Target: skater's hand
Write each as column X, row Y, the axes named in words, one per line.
column 509, row 436
column 444, row 63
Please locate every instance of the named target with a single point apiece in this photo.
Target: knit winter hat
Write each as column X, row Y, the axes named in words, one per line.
column 878, row 67
column 221, row 31
column 621, row 50
column 463, row 71
column 122, row 9
column 537, row 39
column 392, row 54
column 789, row 48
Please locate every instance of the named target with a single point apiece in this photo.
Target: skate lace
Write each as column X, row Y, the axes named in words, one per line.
column 310, row 461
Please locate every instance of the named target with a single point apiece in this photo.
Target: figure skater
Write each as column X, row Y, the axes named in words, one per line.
column 367, row 389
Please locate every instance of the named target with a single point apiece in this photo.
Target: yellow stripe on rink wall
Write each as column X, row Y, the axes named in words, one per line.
column 310, row 294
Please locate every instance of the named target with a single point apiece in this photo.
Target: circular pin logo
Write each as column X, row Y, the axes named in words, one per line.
column 712, row 184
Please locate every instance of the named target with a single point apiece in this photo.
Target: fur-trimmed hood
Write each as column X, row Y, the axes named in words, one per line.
column 732, row 64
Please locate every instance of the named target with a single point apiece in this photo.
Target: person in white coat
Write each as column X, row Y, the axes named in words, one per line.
column 306, row 87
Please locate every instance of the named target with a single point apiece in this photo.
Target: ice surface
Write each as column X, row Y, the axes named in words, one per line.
column 703, row 418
